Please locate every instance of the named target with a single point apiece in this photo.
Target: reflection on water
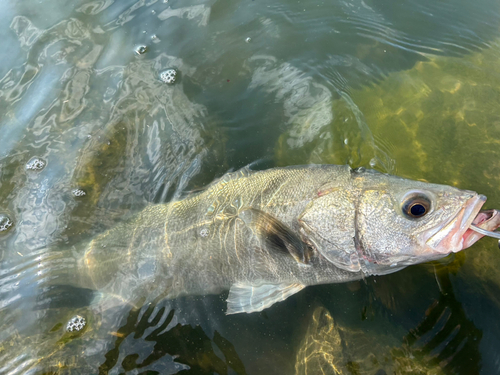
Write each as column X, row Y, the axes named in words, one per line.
column 91, row 132
column 190, row 348
column 446, row 338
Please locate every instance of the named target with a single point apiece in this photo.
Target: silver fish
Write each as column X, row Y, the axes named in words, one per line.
column 266, row 235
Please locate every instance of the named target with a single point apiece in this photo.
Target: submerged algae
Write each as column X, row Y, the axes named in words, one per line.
column 329, row 348
column 445, row 341
column 147, row 150
column 438, row 121
column 106, row 346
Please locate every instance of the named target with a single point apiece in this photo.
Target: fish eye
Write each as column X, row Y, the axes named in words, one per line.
column 416, row 205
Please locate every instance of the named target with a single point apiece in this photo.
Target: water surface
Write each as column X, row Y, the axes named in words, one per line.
column 90, row 134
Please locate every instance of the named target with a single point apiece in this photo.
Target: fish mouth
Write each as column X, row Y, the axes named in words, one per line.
column 456, row 235
column 488, row 220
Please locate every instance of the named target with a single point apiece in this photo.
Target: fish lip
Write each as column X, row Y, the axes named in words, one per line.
column 450, row 238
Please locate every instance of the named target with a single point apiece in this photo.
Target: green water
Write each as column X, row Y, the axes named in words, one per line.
column 407, row 88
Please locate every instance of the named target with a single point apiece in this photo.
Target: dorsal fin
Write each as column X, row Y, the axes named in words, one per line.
column 226, row 177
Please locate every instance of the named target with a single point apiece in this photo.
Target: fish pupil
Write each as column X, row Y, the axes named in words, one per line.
column 417, row 210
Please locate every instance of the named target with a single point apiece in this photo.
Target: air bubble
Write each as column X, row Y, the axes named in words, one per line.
column 204, row 232
column 346, row 141
column 76, row 324
column 141, row 50
column 169, row 76
column 35, row 164
column 78, row 193
column 248, row 40
column 373, row 162
column 5, row 223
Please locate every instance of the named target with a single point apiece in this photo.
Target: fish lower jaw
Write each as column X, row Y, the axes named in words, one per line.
column 446, row 247
column 448, row 240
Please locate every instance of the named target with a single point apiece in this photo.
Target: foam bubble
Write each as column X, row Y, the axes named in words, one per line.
column 141, row 50
column 76, row 324
column 5, row 223
column 78, row 193
column 169, row 76
column 36, row 164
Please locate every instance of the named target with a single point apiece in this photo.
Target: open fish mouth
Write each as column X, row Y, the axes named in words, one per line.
column 488, row 221
column 456, row 235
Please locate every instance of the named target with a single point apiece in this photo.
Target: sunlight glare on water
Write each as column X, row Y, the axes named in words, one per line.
column 108, row 106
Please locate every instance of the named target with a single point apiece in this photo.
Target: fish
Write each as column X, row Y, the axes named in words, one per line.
column 266, row 235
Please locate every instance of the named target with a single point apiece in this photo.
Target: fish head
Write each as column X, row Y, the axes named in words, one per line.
column 378, row 223
column 402, row 222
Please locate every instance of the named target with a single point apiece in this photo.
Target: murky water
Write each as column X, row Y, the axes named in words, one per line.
column 107, row 106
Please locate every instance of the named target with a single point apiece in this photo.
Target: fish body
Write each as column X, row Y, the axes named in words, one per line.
column 265, row 235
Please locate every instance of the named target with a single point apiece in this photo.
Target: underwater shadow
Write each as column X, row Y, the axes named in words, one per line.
column 189, row 347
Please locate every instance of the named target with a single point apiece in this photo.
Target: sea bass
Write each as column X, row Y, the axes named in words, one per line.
column 265, row 235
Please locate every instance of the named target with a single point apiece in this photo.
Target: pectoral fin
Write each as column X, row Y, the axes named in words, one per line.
column 248, row 298
column 275, row 234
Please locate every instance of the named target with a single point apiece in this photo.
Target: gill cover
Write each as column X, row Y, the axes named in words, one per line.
column 328, row 224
